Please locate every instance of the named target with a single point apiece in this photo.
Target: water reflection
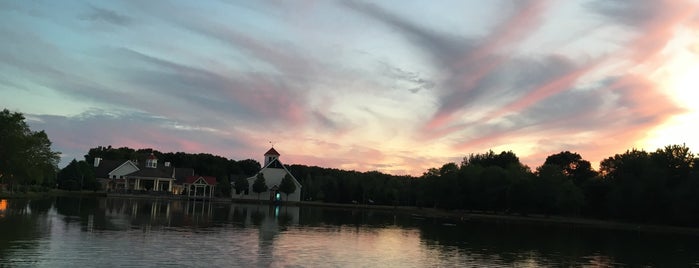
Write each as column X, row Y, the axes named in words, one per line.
column 136, row 232
column 24, row 221
column 553, row 245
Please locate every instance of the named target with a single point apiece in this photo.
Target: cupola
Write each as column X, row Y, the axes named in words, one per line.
column 271, row 155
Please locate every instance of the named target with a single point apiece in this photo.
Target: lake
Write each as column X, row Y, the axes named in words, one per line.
column 106, row 232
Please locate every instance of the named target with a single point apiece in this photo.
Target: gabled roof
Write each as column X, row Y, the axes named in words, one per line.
column 275, row 164
column 106, row 166
column 272, row 152
column 208, row 179
column 160, row 172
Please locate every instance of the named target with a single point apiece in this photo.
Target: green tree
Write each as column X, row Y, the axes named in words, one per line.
column 249, row 166
column 637, row 186
column 675, row 161
column 573, row 166
column 241, row 184
column 260, row 185
column 223, row 186
column 287, row 186
column 77, row 175
column 25, row 155
column 503, row 160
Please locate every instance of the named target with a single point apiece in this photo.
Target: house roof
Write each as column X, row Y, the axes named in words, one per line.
column 152, row 156
column 208, row 179
column 272, row 152
column 275, row 164
column 182, row 173
column 160, row 172
column 106, row 166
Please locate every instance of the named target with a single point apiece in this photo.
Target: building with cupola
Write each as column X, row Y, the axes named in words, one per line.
column 274, row 172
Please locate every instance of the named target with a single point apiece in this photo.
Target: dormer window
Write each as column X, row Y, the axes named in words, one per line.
column 152, row 161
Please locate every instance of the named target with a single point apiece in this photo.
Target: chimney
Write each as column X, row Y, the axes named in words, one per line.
column 97, row 161
column 167, row 164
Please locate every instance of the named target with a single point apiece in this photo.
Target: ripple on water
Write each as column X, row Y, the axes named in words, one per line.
column 251, row 236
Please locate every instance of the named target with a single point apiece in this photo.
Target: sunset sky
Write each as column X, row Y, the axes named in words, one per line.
column 394, row 86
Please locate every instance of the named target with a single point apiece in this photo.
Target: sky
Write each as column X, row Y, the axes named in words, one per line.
column 393, row 86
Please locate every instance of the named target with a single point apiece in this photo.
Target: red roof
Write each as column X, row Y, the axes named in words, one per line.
column 152, row 156
column 272, row 152
column 208, row 179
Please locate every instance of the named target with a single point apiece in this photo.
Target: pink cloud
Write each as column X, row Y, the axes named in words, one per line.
column 519, row 26
column 549, row 89
column 484, row 60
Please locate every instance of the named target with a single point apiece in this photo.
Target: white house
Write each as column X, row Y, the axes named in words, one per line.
column 274, row 171
column 109, row 172
column 151, row 177
column 127, row 175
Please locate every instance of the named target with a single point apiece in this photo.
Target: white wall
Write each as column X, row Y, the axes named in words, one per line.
column 123, row 170
column 273, row 176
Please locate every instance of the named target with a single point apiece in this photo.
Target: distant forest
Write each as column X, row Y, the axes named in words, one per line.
column 659, row 187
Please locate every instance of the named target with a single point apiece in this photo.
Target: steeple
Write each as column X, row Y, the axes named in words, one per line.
column 270, row 156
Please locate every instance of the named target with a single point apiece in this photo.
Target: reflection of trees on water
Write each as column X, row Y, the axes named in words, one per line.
column 318, row 216
column 22, row 223
column 262, row 229
column 256, row 217
column 551, row 244
column 271, row 220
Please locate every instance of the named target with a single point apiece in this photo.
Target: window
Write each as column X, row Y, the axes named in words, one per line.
column 152, row 163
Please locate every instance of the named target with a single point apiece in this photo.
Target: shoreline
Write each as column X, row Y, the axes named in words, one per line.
column 452, row 215
column 50, row 193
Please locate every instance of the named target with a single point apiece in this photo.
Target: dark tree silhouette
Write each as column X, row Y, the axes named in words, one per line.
column 77, row 175
column 25, row 156
column 573, row 166
column 241, row 184
column 260, row 185
column 287, row 186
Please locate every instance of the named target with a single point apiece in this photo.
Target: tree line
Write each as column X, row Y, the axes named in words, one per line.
column 650, row 187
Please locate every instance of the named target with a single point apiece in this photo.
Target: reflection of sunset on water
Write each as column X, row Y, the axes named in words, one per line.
column 3, row 207
column 97, row 232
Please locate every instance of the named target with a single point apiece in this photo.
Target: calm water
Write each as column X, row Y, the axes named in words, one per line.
column 102, row 232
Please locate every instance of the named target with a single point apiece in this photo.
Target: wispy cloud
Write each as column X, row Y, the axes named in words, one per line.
column 350, row 84
column 97, row 14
